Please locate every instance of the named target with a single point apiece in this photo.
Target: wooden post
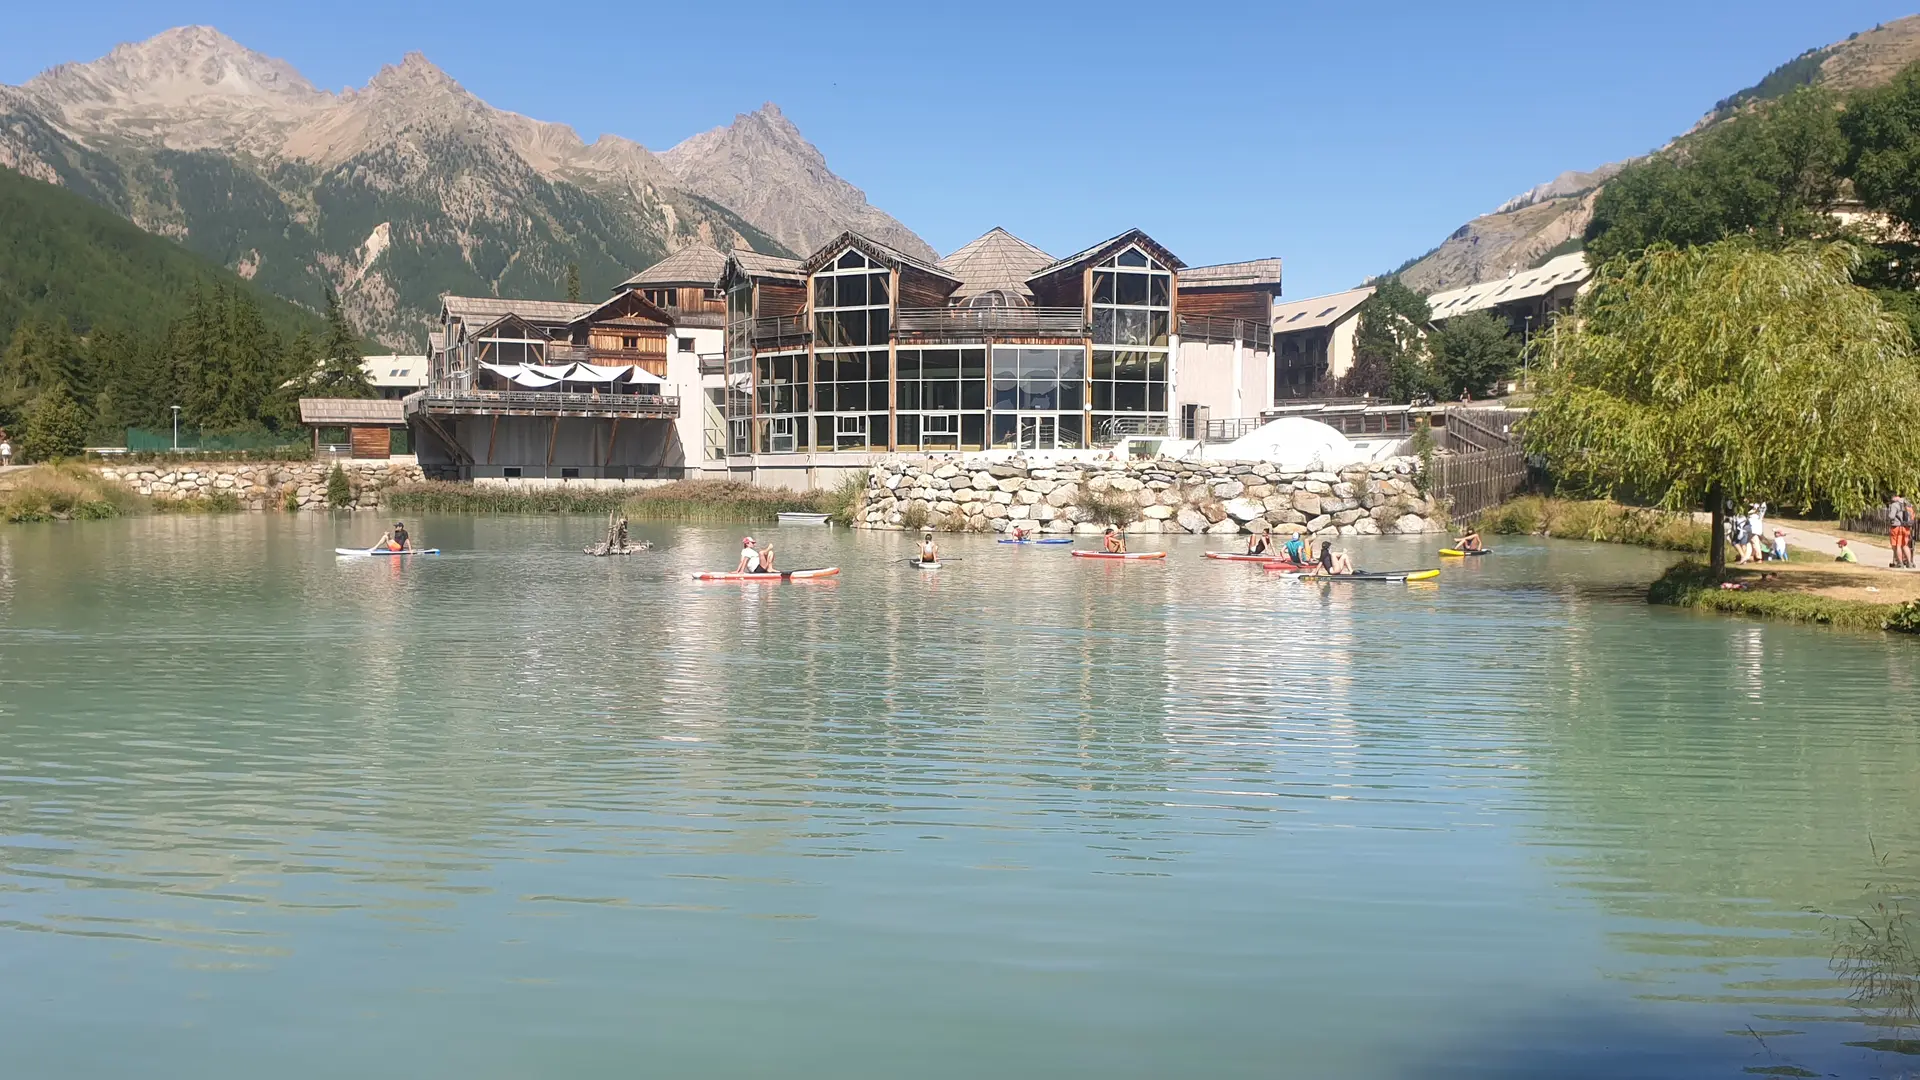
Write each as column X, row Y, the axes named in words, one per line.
column 611, row 440
column 553, row 436
column 493, row 430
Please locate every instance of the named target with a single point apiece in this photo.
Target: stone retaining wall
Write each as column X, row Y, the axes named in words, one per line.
column 262, row 485
column 1167, row 496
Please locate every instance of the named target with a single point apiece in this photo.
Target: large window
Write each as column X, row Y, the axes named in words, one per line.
column 739, row 322
column 780, row 402
column 1038, row 395
column 942, row 399
column 1132, row 321
column 852, row 322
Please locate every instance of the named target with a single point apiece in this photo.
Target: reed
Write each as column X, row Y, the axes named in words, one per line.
column 64, row 491
column 723, row 500
column 1597, row 520
column 447, row 497
column 685, row 500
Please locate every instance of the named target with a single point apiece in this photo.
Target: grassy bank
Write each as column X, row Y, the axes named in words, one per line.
column 1825, row 593
column 66, row 491
column 1598, row 520
column 686, row 500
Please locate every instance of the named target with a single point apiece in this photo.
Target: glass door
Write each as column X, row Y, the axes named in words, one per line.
column 1038, row 433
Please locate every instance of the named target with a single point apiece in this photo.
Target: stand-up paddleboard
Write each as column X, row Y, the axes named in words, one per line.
column 1460, row 553
column 784, row 575
column 1234, row 556
column 1049, row 540
column 918, row 565
column 1119, row 555
column 1291, row 567
column 350, row 552
column 1376, row 575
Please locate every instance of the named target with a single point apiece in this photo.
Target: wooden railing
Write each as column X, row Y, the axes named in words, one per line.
column 545, row 403
column 1063, row 321
column 773, row 328
column 1213, row 431
column 1255, row 332
column 1472, row 430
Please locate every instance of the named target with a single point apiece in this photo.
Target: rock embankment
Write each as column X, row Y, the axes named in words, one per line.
column 1154, row 495
column 262, row 485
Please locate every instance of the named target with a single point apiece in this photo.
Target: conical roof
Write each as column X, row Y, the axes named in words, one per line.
column 997, row 260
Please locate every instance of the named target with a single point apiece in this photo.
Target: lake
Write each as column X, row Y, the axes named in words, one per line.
column 513, row 811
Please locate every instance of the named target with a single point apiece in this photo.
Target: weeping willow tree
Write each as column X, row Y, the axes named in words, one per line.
column 1696, row 374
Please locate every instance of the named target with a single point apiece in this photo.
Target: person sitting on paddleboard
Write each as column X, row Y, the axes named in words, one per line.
column 1018, row 532
column 1333, row 562
column 751, row 559
column 1116, row 543
column 1258, row 544
column 1296, row 550
column 929, row 551
column 394, row 540
column 1469, row 542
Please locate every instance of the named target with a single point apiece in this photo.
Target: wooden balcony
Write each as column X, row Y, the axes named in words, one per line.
column 980, row 322
column 775, row 330
column 543, row 403
column 1256, row 333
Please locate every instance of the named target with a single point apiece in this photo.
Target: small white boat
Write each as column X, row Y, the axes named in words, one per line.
column 795, row 517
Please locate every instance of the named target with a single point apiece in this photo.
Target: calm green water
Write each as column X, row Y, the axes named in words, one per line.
column 518, row 812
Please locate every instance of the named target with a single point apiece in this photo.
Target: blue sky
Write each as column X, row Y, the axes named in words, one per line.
column 1343, row 138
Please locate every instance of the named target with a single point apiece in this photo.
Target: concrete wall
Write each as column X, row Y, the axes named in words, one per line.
column 1206, row 378
column 685, row 382
column 1340, row 347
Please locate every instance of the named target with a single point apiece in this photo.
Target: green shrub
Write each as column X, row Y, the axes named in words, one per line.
column 914, row 517
column 1116, row 508
column 339, row 491
column 66, row 490
column 843, row 500
column 685, row 500
column 1905, row 619
column 290, row 499
column 57, row 429
column 1598, row 520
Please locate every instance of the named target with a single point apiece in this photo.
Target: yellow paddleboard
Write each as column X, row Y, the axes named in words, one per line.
column 1423, row 575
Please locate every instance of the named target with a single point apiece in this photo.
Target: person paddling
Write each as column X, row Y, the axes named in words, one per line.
column 1018, row 533
column 395, row 539
column 1116, row 543
column 929, row 551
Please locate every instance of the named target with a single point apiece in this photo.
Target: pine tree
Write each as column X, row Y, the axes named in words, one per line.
column 1390, row 347
column 57, row 428
column 341, row 373
column 573, row 283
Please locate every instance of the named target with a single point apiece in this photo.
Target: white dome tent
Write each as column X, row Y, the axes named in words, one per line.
column 1295, row 443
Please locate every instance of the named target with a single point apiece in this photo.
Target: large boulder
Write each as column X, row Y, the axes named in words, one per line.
column 1192, row 520
column 1245, row 509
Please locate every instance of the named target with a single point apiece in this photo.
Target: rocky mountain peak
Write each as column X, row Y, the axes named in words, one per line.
column 414, row 74
column 175, row 67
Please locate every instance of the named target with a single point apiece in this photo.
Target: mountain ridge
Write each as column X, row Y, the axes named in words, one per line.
column 405, row 188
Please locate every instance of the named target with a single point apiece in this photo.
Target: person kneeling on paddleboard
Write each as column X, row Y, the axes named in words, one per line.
column 395, row 540
column 929, row 551
column 1116, row 543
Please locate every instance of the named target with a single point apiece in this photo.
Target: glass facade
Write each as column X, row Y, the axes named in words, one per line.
column 942, row 398
column 780, row 403
column 1039, row 392
column 852, row 323
column 1132, row 324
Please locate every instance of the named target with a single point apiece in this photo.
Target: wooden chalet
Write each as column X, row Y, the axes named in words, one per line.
column 685, row 285
column 860, row 348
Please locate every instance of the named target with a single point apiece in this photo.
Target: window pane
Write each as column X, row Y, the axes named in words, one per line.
column 1132, row 257
column 1157, row 397
column 823, row 432
column 823, row 397
column 1157, row 294
column 909, row 395
column 877, row 287
column 853, row 327
column 973, row 394
column 1038, row 394
column 1043, row 364
column 1130, row 327
column 853, row 367
column 823, row 291
column 1006, row 365
column 823, row 368
column 1102, row 364
column 1103, row 286
column 826, row 328
column 851, row 397
column 1004, row 427
column 1129, row 397
column 850, row 290
column 1130, row 366
column 1069, row 432
column 877, row 430
column 944, row 394
column 907, row 431
column 877, row 326
column 1073, row 395
column 1103, row 397
column 1103, row 326
column 1130, row 289
column 1157, row 328
column 1004, row 394
column 851, row 258
column 1073, row 365
column 909, row 361
column 973, row 363
column 1156, row 367
column 941, row 364
column 972, row 427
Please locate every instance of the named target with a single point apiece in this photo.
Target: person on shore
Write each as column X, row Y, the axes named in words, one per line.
column 1116, row 543
column 1296, row 550
column 1846, row 553
column 6, row 449
column 1900, row 519
column 1737, row 536
column 1756, row 530
column 750, row 562
column 1779, row 550
column 929, row 551
column 395, row 539
column 1469, row 542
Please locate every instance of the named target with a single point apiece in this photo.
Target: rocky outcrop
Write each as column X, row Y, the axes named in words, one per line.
column 262, row 485
column 1157, row 495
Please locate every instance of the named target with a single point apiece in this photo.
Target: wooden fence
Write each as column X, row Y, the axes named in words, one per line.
column 1473, row 483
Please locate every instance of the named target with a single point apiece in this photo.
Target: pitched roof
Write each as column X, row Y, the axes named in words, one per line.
column 996, row 260
column 1570, row 269
column 436, row 342
column 1316, row 311
column 646, row 308
column 493, row 307
column 1131, row 236
column 695, row 264
column 352, row 411
column 1251, row 272
column 892, row 256
column 754, row 264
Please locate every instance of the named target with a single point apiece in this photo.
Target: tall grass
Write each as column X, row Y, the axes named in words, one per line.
column 1694, row 585
column 686, row 500
column 446, row 497
column 1607, row 522
column 723, row 500
column 67, row 490
column 1116, row 508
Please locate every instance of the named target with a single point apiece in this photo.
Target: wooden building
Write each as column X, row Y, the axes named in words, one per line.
column 365, row 428
column 862, row 349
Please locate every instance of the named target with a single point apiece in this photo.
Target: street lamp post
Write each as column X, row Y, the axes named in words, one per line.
column 176, row 427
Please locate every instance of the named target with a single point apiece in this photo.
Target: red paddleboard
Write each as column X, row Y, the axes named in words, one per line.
column 1119, row 555
column 784, row 575
column 1233, row 556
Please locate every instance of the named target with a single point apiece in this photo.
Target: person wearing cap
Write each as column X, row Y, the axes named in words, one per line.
column 396, row 539
column 1296, row 549
column 1846, row 553
column 750, row 559
column 929, row 551
column 1116, row 543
